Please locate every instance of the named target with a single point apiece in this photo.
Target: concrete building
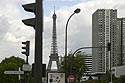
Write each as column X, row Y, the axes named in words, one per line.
column 121, row 40
column 88, row 63
column 118, row 71
column 104, row 24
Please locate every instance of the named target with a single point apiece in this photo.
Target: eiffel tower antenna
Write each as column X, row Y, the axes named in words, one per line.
column 54, row 50
column 54, row 9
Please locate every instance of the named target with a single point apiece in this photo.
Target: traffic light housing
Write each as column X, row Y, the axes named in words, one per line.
column 29, row 8
column 109, row 46
column 26, row 48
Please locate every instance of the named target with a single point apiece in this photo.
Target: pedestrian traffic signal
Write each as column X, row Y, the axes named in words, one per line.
column 109, row 46
column 26, row 48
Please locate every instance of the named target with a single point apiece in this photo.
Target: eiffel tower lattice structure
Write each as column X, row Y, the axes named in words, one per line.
column 54, row 50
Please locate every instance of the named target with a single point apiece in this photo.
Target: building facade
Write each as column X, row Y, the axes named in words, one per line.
column 88, row 63
column 104, row 24
column 121, row 40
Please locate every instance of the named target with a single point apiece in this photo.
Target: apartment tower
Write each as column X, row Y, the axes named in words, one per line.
column 121, row 40
column 104, row 24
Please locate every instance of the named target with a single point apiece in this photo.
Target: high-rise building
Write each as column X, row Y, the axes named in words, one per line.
column 104, row 24
column 121, row 40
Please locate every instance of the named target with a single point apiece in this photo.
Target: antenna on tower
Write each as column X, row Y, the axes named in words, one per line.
column 54, row 9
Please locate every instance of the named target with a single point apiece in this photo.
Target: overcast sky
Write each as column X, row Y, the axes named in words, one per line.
column 13, row 31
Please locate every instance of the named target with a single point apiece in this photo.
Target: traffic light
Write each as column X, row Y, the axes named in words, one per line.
column 27, row 46
column 29, row 8
column 109, row 46
column 37, row 23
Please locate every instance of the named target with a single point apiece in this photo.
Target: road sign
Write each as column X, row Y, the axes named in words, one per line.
column 13, row 72
column 55, row 77
column 71, row 78
column 27, row 67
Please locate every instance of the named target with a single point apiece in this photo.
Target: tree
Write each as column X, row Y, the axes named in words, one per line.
column 76, row 64
column 121, row 79
column 13, row 64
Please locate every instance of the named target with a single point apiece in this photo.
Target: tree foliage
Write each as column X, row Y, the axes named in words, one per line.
column 10, row 64
column 121, row 79
column 75, row 65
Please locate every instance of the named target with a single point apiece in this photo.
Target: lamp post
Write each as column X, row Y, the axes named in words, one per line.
column 75, row 12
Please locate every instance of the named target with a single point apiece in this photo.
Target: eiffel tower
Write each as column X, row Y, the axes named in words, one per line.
column 54, row 50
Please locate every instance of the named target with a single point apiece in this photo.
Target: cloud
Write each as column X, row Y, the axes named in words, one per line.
column 27, row 1
column 4, row 26
column 13, row 31
column 67, row 0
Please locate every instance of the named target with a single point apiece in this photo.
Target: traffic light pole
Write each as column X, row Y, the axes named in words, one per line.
column 38, row 42
column 26, row 72
column 26, row 59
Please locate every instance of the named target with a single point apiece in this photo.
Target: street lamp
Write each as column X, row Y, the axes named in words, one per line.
column 75, row 12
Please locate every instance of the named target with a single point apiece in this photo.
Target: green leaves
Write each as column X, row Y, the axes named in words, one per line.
column 13, row 64
column 75, row 64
